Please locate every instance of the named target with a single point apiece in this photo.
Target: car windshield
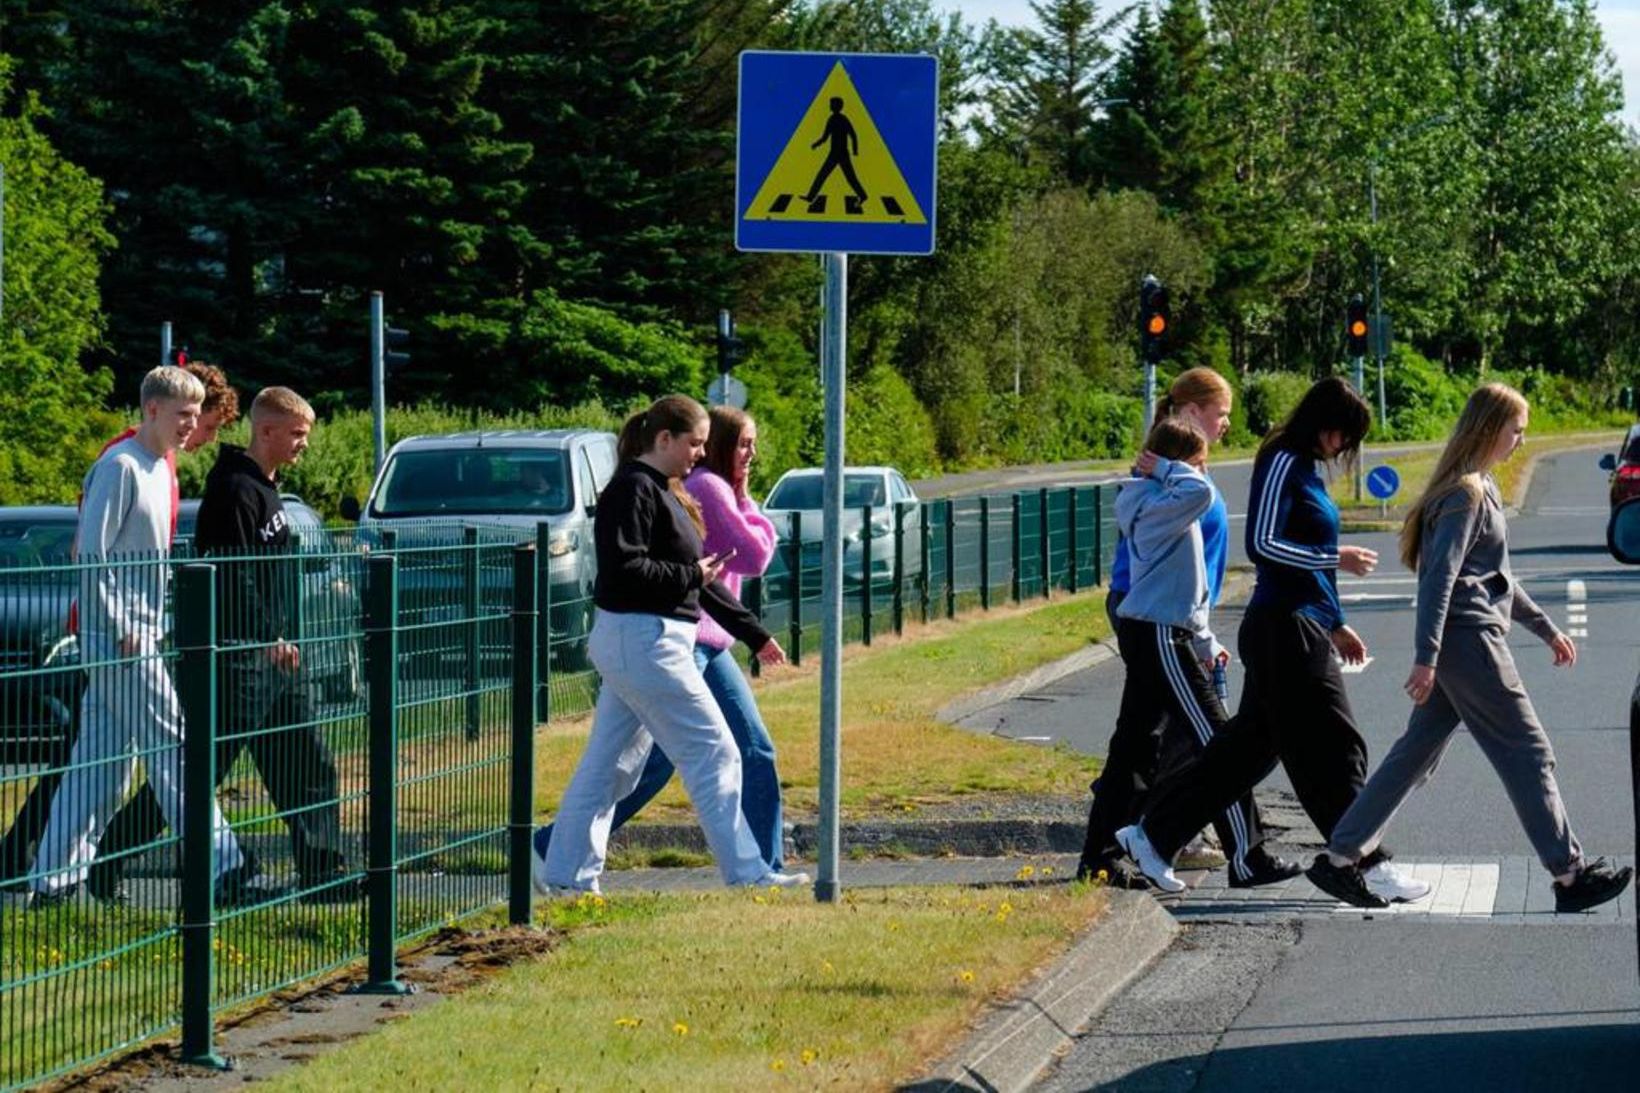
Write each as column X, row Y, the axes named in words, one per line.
column 27, row 542
column 474, row 480
column 1631, row 446
column 803, row 491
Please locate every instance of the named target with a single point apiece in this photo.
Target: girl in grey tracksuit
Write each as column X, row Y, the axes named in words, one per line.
column 1456, row 539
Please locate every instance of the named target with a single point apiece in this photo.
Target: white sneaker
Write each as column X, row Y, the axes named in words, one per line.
column 1136, row 843
column 1387, row 882
column 772, row 879
column 548, row 890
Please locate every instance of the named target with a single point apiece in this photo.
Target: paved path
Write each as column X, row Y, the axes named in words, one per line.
column 1480, row 986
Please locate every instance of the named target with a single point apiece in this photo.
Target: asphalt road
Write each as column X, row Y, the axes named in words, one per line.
column 1482, row 987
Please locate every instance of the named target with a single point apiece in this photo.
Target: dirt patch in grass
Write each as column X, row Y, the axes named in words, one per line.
column 297, row 1025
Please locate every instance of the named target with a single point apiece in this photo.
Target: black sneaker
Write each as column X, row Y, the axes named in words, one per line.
column 336, row 888
column 45, row 901
column 1343, row 882
column 234, row 889
column 1264, row 868
column 1596, row 883
column 1113, row 874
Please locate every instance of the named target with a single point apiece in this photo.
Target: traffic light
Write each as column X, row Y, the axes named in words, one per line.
column 1355, row 327
column 181, row 357
column 1154, row 320
column 730, row 348
column 396, row 347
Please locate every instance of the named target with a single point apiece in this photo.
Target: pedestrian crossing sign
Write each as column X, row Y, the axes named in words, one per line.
column 836, row 152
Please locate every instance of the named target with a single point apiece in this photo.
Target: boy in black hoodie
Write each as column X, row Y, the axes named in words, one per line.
column 241, row 517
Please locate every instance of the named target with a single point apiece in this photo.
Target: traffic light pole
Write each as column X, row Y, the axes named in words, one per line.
column 1360, row 389
column 378, row 379
column 1378, row 338
column 1150, row 396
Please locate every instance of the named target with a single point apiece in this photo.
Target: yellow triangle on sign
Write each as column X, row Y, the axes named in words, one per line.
column 836, row 167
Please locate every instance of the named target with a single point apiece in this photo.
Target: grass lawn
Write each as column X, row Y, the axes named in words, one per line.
column 729, row 990
column 895, row 754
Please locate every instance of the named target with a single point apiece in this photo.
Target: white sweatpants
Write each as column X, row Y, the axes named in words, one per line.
column 130, row 710
column 651, row 691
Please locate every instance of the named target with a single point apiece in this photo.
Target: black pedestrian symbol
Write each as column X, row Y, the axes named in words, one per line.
column 845, row 145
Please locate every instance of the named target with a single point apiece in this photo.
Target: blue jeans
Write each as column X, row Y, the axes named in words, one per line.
column 760, row 783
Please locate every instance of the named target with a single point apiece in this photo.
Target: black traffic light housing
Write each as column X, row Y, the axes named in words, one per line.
column 1155, row 319
column 395, row 347
column 1355, row 327
column 730, row 348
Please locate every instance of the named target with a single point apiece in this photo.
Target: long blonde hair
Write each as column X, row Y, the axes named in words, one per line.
column 1492, row 408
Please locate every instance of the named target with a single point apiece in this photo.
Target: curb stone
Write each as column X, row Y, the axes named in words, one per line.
column 1015, row 1042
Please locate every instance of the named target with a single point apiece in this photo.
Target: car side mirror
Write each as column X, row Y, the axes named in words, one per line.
column 350, row 509
column 1608, row 462
column 1623, row 532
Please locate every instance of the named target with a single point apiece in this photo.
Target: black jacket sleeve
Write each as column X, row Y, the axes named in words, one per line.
column 717, row 601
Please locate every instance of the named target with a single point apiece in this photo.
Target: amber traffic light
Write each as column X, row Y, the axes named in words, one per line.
column 1355, row 327
column 1153, row 320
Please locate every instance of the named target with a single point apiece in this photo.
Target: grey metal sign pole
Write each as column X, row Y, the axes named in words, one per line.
column 165, row 342
column 1361, row 389
column 378, row 379
column 832, row 356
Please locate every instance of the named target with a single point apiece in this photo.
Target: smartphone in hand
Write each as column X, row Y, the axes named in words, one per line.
column 723, row 556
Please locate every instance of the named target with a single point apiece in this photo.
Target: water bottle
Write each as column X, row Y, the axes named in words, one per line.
column 1221, row 683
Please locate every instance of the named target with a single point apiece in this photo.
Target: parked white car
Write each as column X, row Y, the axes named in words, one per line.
column 798, row 493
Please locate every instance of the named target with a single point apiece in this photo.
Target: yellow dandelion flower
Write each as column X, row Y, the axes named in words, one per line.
column 809, row 1056
column 777, row 1065
column 680, row 1029
column 1047, row 870
column 1102, row 876
column 759, row 899
column 825, row 966
column 1026, row 872
column 628, row 1022
column 965, row 976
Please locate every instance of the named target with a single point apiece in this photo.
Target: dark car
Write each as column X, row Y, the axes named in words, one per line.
column 1624, row 468
column 40, row 679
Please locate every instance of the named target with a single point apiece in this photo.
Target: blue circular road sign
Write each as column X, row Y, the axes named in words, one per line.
column 1382, row 482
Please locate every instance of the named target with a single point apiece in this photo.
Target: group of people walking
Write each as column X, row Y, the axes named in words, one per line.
column 76, row 827
column 675, row 533
column 1179, row 760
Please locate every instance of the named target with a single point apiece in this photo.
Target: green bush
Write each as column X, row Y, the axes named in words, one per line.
column 1268, row 397
column 887, row 425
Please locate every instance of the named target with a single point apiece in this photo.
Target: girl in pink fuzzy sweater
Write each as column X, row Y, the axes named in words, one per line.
column 733, row 522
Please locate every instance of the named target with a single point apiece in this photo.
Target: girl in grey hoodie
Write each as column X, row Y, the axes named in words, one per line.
column 1164, row 622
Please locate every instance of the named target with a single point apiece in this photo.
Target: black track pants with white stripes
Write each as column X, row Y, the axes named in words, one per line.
column 1166, row 684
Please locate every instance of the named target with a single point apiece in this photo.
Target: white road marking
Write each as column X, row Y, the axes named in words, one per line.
column 1356, row 669
column 1367, row 597
column 1577, row 632
column 1576, row 591
column 1455, row 889
column 1573, row 510
column 1577, row 618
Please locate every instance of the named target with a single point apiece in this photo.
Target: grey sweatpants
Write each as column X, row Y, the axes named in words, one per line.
column 1476, row 683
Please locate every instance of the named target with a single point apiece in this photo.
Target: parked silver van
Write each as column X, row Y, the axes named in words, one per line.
column 502, row 482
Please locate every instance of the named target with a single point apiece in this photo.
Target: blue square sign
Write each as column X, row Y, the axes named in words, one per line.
column 836, row 152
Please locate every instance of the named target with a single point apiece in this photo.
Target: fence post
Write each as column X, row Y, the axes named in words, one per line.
column 1098, row 535
column 865, row 576
column 543, row 622
column 196, row 678
column 926, row 549
column 950, row 558
column 1047, row 542
column 898, row 609
column 470, row 606
column 1070, row 546
column 381, row 658
column 984, row 552
column 521, row 808
column 795, row 586
column 1016, row 547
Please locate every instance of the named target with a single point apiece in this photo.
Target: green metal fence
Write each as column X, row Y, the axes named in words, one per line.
column 362, row 711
